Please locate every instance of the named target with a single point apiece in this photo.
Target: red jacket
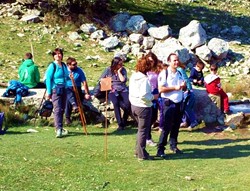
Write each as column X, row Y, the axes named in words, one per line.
column 214, row 86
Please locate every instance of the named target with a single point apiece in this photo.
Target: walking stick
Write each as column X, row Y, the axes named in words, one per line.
column 79, row 103
column 105, row 86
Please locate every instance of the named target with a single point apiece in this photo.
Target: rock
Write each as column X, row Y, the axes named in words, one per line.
column 170, row 45
column 99, row 35
column 137, row 38
column 204, row 52
column 235, row 119
column 136, row 24
column 219, row 48
column 148, row 42
column 160, row 33
column 88, row 28
column 110, row 42
column 74, row 36
column 31, row 18
column 119, row 21
column 193, row 35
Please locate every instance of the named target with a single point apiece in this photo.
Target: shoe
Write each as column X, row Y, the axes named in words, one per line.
column 194, row 124
column 58, row 133
column 228, row 112
column 65, row 132
column 151, row 143
column 161, row 153
column 75, row 109
column 120, row 128
column 176, row 150
column 68, row 121
column 183, row 124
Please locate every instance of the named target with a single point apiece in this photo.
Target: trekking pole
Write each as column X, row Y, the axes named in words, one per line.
column 106, row 128
column 79, row 103
column 36, row 114
column 32, row 50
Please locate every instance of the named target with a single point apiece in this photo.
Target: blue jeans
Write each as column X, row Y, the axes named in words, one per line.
column 189, row 101
column 172, row 119
column 120, row 100
column 59, row 106
column 71, row 100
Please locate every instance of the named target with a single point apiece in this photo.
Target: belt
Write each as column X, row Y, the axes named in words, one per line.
column 169, row 102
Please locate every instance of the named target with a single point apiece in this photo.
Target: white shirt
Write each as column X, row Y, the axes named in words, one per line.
column 174, row 79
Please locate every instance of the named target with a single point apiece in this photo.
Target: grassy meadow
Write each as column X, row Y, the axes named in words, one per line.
column 217, row 161
column 39, row 161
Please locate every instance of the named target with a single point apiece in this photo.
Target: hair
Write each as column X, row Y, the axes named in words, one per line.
column 56, row 51
column 114, row 64
column 169, row 56
column 181, row 65
column 143, row 65
column 70, row 60
column 28, row 55
column 214, row 67
column 151, row 57
column 200, row 64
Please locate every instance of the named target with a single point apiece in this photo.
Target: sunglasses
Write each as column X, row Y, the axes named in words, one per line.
column 213, row 69
column 75, row 64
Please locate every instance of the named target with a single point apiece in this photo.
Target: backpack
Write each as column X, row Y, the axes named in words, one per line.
column 46, row 109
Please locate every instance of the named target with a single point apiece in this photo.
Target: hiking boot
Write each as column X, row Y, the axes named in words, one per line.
column 160, row 153
column 58, row 133
column 228, row 112
column 65, row 132
column 68, row 121
column 151, row 143
column 184, row 124
column 75, row 109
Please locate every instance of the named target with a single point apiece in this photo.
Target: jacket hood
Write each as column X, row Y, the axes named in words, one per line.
column 139, row 76
column 28, row 63
column 210, row 77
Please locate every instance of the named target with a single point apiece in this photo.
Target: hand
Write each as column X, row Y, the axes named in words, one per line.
column 177, row 88
column 87, row 96
column 156, row 96
column 194, row 80
column 49, row 97
column 119, row 70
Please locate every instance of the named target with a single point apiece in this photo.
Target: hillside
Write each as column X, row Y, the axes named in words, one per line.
column 20, row 37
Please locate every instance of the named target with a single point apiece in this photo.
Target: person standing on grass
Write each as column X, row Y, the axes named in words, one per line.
column 171, row 84
column 29, row 74
column 56, row 78
column 152, row 77
column 80, row 78
column 141, row 97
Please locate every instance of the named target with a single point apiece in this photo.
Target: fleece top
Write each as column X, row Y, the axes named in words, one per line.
column 56, row 75
column 140, row 90
column 28, row 73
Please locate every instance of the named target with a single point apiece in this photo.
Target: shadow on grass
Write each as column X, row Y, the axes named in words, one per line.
column 9, row 132
column 226, row 152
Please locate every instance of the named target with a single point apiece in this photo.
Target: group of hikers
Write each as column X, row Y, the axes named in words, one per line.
column 157, row 93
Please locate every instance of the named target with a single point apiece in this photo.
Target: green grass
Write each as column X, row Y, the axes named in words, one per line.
column 39, row 161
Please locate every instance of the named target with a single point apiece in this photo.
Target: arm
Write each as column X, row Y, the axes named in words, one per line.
column 122, row 73
column 49, row 77
column 192, row 76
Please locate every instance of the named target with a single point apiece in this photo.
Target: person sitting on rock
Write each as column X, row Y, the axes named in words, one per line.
column 29, row 74
column 213, row 86
column 196, row 74
column 79, row 77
